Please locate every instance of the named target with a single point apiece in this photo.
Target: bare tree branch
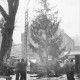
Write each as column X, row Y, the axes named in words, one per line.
column 3, row 12
column 13, row 6
column 16, row 3
column 10, row 5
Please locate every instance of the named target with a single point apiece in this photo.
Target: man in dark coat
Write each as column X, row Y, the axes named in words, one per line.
column 69, row 69
column 22, row 67
column 72, row 69
column 17, row 70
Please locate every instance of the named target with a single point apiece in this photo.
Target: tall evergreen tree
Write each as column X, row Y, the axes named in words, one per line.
column 44, row 30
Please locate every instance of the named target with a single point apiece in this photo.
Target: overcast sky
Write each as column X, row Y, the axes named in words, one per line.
column 68, row 10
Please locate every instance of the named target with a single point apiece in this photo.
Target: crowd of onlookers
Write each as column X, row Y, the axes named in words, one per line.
column 57, row 68
column 18, row 68
column 60, row 68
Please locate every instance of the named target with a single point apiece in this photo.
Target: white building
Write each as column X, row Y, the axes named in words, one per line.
column 16, row 51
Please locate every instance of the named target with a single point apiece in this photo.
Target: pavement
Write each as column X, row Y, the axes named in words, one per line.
column 63, row 77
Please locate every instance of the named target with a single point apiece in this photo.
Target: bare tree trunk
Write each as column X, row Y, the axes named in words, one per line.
column 6, row 43
column 8, row 27
column 7, row 31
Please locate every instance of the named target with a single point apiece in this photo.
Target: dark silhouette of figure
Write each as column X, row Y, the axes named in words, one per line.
column 17, row 70
column 22, row 70
column 56, row 67
column 72, row 69
column 69, row 69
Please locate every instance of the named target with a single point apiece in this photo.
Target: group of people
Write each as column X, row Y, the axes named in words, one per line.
column 70, row 69
column 21, row 69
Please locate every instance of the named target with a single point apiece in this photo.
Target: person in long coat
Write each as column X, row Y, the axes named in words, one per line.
column 22, row 70
column 69, row 70
column 17, row 69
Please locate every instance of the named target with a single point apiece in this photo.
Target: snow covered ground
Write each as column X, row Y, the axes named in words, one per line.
column 35, row 78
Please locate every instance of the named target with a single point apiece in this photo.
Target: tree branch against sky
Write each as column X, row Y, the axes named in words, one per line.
column 3, row 12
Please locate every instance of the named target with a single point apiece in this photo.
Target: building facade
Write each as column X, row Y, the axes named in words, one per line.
column 16, row 51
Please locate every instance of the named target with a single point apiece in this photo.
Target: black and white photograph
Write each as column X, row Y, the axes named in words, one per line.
column 39, row 39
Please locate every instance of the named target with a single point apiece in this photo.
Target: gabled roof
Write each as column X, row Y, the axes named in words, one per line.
column 61, row 31
column 69, row 37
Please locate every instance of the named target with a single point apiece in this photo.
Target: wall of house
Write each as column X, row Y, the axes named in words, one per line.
column 16, row 51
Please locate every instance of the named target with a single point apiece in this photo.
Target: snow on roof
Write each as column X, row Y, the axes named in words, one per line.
column 73, row 53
